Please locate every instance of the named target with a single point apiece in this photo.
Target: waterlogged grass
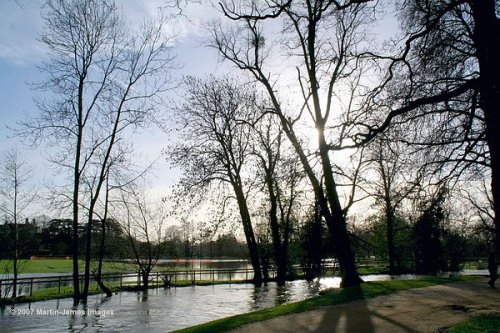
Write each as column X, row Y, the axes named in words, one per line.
column 60, row 266
column 63, row 292
column 338, row 296
column 480, row 324
column 373, row 269
column 55, row 293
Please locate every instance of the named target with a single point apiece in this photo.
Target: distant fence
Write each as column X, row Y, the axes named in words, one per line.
column 26, row 286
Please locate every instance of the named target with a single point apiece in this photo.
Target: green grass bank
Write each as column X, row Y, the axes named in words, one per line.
column 488, row 323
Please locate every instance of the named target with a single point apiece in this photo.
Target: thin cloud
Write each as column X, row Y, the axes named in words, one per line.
column 19, row 28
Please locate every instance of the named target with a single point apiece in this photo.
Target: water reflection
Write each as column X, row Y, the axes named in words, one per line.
column 159, row 310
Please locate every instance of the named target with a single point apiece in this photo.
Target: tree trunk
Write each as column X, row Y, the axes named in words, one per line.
column 487, row 42
column 336, row 221
column 16, row 252
column 76, row 276
column 88, row 245
column 145, row 280
column 249, row 234
column 279, row 251
column 391, row 248
column 98, row 277
column 14, row 279
column 286, row 240
column 76, row 190
column 338, row 231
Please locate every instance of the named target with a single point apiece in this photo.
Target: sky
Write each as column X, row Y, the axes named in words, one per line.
column 21, row 54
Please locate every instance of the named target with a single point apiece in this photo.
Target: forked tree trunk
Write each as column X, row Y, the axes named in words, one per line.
column 249, row 234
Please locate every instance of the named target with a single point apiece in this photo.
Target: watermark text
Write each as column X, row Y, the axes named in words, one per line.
column 61, row 312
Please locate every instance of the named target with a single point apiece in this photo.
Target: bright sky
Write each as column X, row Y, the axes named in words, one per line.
column 21, row 53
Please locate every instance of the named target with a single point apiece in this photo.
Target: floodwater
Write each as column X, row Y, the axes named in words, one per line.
column 223, row 269
column 159, row 310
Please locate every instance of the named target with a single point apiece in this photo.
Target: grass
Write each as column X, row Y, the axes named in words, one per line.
column 366, row 290
column 62, row 266
column 53, row 293
column 489, row 323
column 373, row 269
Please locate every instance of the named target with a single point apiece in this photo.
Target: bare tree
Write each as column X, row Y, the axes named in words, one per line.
column 120, row 174
column 105, row 79
column 14, row 200
column 281, row 178
column 325, row 40
column 145, row 70
column 144, row 222
column 446, row 77
column 392, row 186
column 216, row 144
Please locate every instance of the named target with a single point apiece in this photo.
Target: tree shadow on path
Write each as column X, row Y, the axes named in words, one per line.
column 358, row 317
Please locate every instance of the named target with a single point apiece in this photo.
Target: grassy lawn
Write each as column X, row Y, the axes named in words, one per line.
column 60, row 266
column 366, row 290
column 480, row 324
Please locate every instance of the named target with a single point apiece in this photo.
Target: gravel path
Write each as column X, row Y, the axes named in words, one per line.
column 430, row 309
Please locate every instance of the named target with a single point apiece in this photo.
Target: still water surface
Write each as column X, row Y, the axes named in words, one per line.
column 158, row 310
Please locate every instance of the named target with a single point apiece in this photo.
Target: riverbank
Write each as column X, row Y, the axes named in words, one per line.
column 392, row 306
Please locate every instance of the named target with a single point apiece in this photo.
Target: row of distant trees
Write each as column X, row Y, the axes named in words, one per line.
column 358, row 127
column 55, row 241
column 425, row 246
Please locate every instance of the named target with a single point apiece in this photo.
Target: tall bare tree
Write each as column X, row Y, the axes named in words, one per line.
column 105, row 78
column 281, row 178
column 216, row 144
column 144, row 222
column 14, row 199
column 143, row 76
column 324, row 40
column 476, row 200
column 121, row 174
